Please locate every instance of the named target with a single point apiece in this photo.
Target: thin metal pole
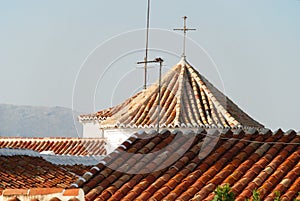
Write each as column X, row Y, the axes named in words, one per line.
column 147, row 45
column 184, row 37
column 159, row 96
column 160, row 61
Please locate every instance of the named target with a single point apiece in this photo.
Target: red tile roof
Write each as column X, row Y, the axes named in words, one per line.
column 178, row 166
column 187, row 100
column 18, row 172
column 60, row 146
column 78, row 170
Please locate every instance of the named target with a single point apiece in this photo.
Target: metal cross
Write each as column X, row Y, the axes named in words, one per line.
column 185, row 29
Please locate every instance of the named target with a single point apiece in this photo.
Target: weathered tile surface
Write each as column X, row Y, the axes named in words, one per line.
column 20, row 172
column 177, row 166
column 188, row 99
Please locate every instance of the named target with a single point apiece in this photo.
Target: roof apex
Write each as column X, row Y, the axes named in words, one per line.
column 183, row 61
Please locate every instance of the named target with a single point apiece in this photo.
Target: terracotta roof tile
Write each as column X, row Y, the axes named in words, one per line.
column 188, row 99
column 247, row 161
column 44, row 191
column 60, row 146
column 31, row 172
column 71, row 192
column 262, row 169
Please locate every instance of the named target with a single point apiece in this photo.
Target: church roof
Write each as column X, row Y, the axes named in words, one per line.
column 188, row 99
column 179, row 166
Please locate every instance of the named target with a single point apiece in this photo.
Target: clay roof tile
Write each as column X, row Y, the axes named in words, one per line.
column 188, row 99
column 245, row 160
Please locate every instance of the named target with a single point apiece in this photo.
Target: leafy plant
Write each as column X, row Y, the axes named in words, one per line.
column 223, row 193
column 277, row 196
column 296, row 198
column 255, row 195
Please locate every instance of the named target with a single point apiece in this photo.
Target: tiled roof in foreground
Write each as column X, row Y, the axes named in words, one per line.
column 59, row 146
column 177, row 166
column 187, row 100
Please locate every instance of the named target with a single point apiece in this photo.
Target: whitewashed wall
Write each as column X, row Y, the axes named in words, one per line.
column 115, row 137
column 91, row 129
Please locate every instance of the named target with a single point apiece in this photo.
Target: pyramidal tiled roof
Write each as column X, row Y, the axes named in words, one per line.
column 187, row 100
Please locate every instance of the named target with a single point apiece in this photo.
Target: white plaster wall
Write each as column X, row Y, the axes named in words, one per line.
column 115, row 137
column 91, row 129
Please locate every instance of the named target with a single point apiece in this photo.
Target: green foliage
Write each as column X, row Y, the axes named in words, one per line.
column 297, row 199
column 223, row 193
column 255, row 195
column 277, row 196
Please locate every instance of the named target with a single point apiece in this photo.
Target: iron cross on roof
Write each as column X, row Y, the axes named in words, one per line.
column 185, row 29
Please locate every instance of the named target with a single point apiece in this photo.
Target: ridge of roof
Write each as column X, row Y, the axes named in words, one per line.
column 60, row 146
column 188, row 99
column 47, row 138
column 42, row 194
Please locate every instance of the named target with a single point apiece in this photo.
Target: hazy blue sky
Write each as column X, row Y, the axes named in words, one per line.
column 255, row 45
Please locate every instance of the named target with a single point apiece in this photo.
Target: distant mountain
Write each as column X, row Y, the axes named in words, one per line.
column 30, row 121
